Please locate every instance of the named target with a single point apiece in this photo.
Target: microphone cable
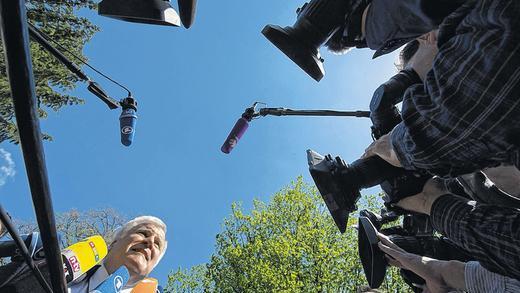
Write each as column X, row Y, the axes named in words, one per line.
column 47, row 37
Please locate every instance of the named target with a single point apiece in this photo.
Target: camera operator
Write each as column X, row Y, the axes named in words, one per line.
column 464, row 116
column 490, row 233
column 447, row 276
column 497, row 185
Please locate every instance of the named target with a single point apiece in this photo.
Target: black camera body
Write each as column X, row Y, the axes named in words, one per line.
column 318, row 22
column 339, row 183
column 383, row 112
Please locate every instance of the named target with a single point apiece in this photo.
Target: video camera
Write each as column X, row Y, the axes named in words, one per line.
column 339, row 183
column 335, row 23
column 415, row 235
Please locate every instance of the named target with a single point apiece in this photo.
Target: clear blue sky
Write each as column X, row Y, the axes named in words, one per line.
column 192, row 85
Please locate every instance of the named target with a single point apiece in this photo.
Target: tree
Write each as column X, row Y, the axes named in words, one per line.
column 59, row 20
column 74, row 225
column 289, row 244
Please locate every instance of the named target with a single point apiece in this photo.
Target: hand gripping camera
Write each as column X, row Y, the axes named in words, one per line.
column 415, row 235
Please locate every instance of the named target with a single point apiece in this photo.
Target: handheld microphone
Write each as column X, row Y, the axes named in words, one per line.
column 82, row 256
column 115, row 282
column 238, row 130
column 127, row 120
column 148, row 285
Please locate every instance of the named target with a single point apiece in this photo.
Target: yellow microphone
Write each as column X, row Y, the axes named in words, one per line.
column 82, row 256
column 147, row 285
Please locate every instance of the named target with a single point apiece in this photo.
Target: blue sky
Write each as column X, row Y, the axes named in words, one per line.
column 192, row 85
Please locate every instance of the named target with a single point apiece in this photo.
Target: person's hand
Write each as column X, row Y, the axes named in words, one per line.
column 423, row 201
column 422, row 60
column 427, row 268
column 383, row 148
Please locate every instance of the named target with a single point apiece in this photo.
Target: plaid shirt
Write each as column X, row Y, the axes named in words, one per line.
column 489, row 233
column 466, row 115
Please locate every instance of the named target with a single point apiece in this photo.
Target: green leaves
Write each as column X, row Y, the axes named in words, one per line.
column 60, row 21
column 289, row 244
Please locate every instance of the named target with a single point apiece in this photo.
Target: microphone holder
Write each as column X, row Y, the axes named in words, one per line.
column 93, row 87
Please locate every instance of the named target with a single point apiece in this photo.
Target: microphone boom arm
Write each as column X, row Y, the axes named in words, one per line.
column 291, row 112
column 93, row 86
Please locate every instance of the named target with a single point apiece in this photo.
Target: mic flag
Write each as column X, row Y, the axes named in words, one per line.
column 148, row 285
column 114, row 283
column 82, row 256
column 160, row 289
column 127, row 122
column 234, row 136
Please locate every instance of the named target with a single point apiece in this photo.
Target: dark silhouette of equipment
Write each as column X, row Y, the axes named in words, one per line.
column 158, row 12
column 318, row 21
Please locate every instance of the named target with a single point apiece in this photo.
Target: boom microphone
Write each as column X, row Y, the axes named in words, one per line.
column 238, row 130
column 234, row 136
column 127, row 120
column 82, row 256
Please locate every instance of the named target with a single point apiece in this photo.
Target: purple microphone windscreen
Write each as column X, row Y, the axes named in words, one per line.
column 235, row 135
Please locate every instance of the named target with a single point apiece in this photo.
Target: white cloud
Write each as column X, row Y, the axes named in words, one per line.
column 7, row 167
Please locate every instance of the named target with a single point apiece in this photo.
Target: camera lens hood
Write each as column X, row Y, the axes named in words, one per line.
column 340, row 201
column 372, row 258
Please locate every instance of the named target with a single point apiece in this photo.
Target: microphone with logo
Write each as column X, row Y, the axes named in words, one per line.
column 82, row 256
column 114, row 283
column 127, row 120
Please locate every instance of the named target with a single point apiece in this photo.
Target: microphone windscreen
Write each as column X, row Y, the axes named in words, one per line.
column 148, row 285
column 187, row 11
column 127, row 122
column 82, row 256
column 234, row 136
column 115, row 282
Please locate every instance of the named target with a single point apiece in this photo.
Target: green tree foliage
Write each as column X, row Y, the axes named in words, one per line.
column 59, row 20
column 289, row 244
column 75, row 225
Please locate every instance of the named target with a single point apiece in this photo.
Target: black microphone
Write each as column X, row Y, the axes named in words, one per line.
column 187, row 12
column 127, row 120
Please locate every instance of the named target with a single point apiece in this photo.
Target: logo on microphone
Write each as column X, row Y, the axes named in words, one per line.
column 118, row 283
column 127, row 130
column 74, row 263
column 93, row 247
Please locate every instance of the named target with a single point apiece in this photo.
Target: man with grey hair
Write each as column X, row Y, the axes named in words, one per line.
column 139, row 246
